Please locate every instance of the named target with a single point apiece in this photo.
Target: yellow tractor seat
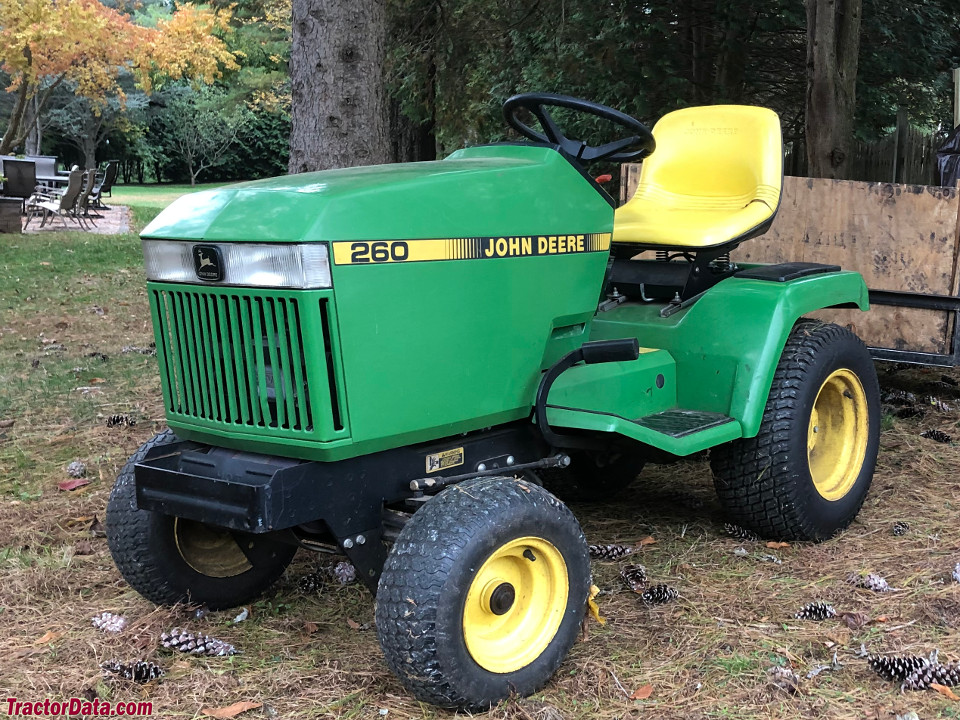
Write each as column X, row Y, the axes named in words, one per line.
column 714, row 179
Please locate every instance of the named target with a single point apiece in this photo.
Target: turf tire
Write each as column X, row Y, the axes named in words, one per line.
column 604, row 475
column 764, row 482
column 424, row 585
column 144, row 548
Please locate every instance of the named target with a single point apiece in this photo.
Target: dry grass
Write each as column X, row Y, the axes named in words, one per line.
column 705, row 656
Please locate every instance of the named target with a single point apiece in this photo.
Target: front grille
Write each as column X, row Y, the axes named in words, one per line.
column 242, row 361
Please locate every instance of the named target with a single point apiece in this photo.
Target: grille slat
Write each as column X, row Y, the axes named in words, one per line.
column 236, row 360
column 283, row 350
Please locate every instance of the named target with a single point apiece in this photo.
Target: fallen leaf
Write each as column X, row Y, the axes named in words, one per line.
column 43, row 262
column 945, row 691
column 97, row 381
column 83, row 547
column 592, row 606
column 773, row 544
column 881, row 619
column 73, row 484
column 642, row 692
column 354, row 625
column 48, row 637
column 7, row 423
column 310, row 627
column 230, row 711
column 648, row 540
column 855, row 620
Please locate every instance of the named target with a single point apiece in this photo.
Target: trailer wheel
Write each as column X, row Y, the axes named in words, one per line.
column 483, row 593
column 807, row 472
column 168, row 559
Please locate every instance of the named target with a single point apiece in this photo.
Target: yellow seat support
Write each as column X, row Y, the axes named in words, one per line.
column 714, row 179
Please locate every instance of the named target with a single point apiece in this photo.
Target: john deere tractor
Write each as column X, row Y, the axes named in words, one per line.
column 379, row 361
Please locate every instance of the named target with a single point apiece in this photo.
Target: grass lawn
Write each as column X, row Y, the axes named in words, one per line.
column 154, row 196
column 75, row 340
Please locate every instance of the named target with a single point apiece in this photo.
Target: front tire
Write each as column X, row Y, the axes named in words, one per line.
column 807, row 472
column 168, row 559
column 483, row 593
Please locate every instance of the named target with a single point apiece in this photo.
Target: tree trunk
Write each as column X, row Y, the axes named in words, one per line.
column 11, row 136
column 35, row 135
column 89, row 151
column 833, row 46
column 338, row 112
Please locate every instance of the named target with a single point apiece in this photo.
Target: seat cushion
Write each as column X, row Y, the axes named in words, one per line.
column 649, row 222
column 714, row 179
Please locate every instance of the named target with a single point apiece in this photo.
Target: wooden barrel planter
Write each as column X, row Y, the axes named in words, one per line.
column 10, row 214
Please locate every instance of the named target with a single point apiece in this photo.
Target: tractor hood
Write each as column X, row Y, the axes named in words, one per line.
column 484, row 191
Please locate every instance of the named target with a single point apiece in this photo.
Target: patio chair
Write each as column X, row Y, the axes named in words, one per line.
column 108, row 177
column 82, row 206
column 21, row 179
column 62, row 206
column 46, row 168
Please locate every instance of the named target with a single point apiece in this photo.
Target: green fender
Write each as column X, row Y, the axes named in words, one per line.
column 727, row 344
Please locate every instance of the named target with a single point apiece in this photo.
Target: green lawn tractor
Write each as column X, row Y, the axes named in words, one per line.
column 379, row 361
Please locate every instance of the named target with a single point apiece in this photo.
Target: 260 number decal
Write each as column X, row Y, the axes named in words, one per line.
column 381, row 251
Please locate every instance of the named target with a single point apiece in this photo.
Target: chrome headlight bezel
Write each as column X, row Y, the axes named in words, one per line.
column 301, row 266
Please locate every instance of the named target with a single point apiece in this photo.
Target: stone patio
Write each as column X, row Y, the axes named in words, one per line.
column 116, row 220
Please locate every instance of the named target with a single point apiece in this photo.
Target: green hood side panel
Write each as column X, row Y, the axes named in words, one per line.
column 484, row 191
column 727, row 344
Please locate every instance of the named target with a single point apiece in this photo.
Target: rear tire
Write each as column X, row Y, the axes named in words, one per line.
column 168, row 559
column 483, row 593
column 807, row 472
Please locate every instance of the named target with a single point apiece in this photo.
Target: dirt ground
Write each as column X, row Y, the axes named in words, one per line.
column 75, row 352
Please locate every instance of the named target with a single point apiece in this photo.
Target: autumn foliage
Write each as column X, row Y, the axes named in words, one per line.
column 46, row 42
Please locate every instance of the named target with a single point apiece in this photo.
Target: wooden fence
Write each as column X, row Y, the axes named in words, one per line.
column 899, row 237
column 906, row 156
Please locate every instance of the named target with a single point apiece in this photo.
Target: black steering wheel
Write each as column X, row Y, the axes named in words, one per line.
column 635, row 147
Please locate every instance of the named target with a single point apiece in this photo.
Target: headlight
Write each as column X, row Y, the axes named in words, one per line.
column 247, row 264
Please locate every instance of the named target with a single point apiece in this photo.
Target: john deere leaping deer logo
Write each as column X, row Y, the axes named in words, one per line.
column 208, row 262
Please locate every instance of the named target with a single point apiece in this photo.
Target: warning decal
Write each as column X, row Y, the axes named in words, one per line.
column 443, row 460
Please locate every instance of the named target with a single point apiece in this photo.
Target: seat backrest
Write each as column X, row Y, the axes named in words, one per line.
column 21, row 177
column 110, row 175
column 46, row 164
column 69, row 197
column 725, row 155
column 89, row 178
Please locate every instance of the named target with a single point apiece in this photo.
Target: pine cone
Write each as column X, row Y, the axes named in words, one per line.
column 869, row 582
column 139, row 672
column 634, row 577
column 784, row 678
column 109, row 622
column 922, row 678
column 77, row 469
column 740, row 533
column 610, row 553
column 936, row 435
column 345, row 572
column 311, row 582
column 123, row 420
column 195, row 644
column 900, row 528
column 659, row 594
column 816, row 611
column 896, row 667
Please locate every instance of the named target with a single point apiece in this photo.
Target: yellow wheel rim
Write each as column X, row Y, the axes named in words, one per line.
column 210, row 551
column 515, row 604
column 838, row 434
